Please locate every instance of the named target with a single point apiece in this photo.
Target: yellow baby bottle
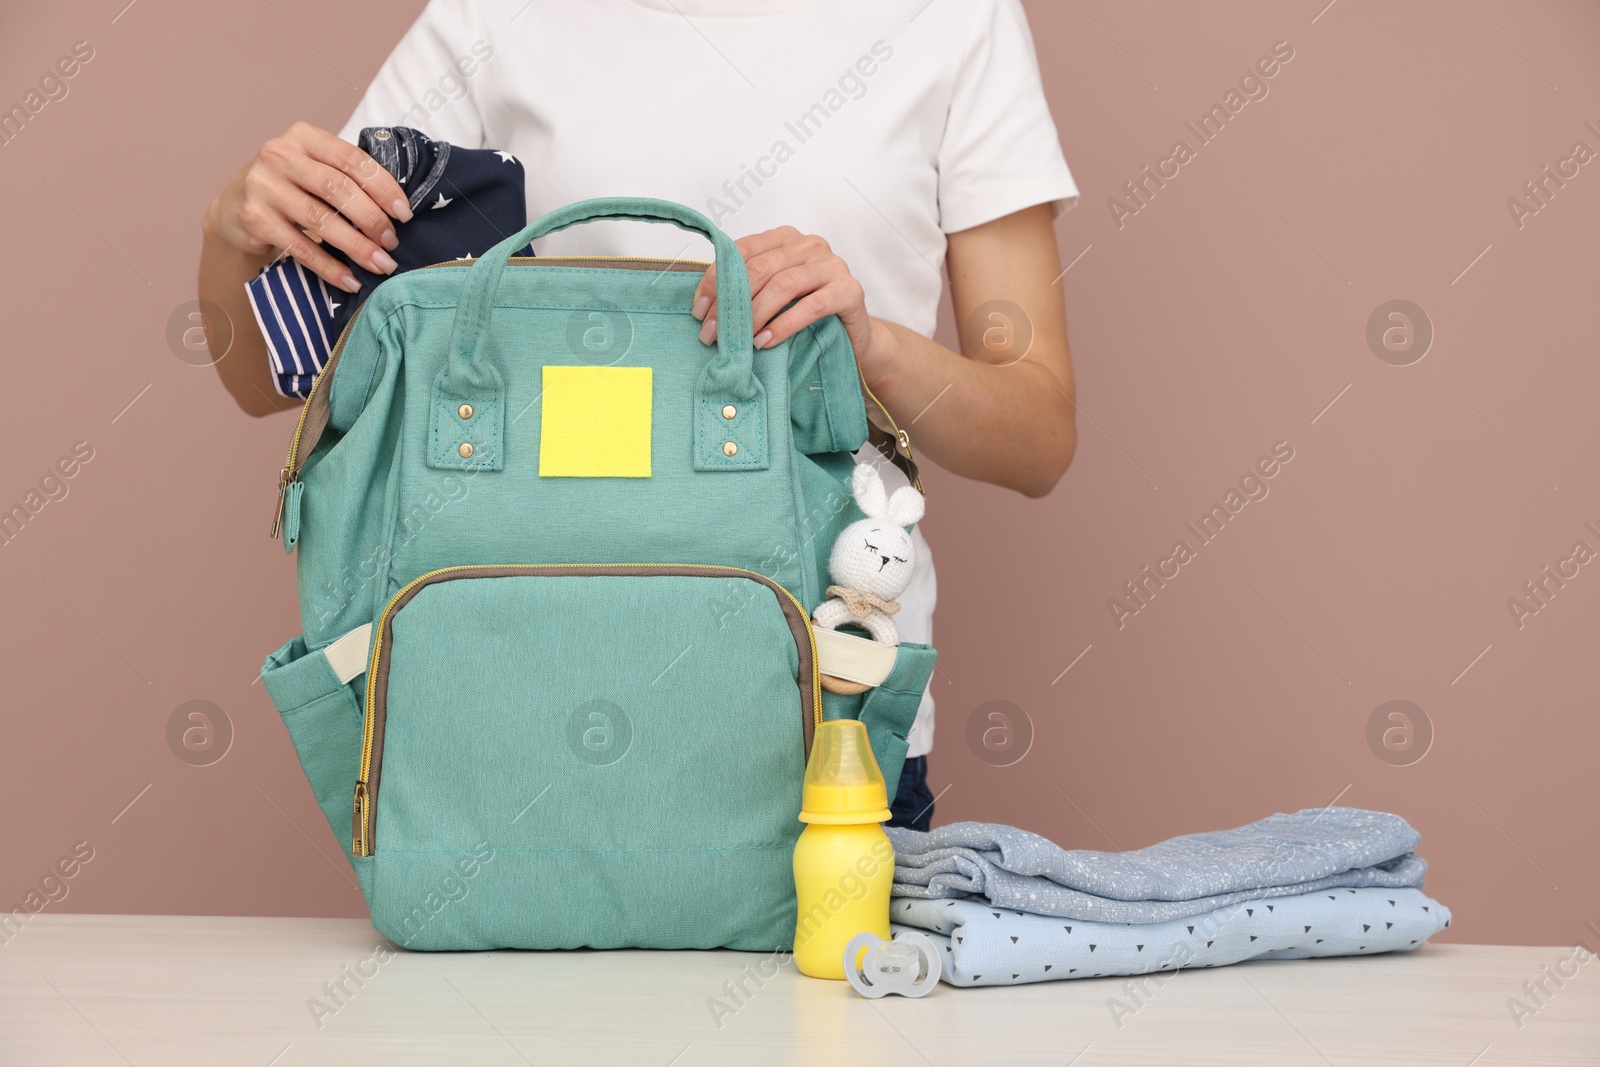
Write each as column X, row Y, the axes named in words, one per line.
column 843, row 862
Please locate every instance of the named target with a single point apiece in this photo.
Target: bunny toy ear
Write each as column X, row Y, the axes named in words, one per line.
column 906, row 506
column 867, row 486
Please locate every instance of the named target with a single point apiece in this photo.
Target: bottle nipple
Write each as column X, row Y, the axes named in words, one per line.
column 843, row 783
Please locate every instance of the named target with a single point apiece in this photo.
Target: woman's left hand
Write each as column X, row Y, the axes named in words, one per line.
column 786, row 265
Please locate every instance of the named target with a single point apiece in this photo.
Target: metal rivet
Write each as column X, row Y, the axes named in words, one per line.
column 729, row 448
column 380, row 135
column 729, row 411
column 465, row 411
column 465, row 450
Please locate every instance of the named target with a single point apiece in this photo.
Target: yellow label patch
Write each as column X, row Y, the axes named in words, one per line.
column 596, row 423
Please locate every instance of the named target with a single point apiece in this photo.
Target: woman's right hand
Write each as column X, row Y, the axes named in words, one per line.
column 308, row 181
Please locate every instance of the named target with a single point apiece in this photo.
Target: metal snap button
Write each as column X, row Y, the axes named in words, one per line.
column 465, row 450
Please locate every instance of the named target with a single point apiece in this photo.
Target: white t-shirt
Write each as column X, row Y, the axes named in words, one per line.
column 881, row 125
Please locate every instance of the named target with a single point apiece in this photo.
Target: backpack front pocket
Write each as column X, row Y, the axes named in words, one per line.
column 558, row 756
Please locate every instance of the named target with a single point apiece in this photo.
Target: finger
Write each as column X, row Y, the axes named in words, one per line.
column 347, row 197
column 705, row 294
column 705, row 309
column 289, row 158
column 773, row 262
column 288, row 237
column 836, row 298
column 376, row 183
column 319, row 218
column 767, row 253
column 756, row 243
column 789, row 285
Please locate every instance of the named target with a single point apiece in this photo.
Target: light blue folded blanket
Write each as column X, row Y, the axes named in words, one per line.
column 1281, row 855
column 986, row 946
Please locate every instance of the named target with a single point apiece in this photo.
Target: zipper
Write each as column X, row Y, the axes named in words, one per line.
column 559, row 261
column 902, row 439
column 291, row 465
column 291, row 469
column 361, row 826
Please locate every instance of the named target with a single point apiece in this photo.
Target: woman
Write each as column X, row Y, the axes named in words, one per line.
column 857, row 146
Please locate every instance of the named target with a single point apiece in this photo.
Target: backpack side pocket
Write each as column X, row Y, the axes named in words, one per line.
column 826, row 409
column 889, row 709
column 323, row 717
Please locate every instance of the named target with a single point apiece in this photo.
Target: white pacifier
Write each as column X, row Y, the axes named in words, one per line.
column 908, row 965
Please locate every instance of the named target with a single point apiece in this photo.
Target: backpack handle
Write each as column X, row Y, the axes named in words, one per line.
column 468, row 377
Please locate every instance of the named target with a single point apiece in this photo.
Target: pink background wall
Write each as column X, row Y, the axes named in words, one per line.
column 1227, row 315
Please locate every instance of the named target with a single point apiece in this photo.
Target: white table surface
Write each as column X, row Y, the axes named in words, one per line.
column 179, row 990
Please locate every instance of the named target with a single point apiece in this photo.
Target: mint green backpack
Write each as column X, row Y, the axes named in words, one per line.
column 557, row 560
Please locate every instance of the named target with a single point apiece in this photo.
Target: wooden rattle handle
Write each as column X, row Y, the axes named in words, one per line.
column 842, row 687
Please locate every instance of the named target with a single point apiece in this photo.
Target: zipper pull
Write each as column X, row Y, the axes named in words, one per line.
column 289, row 510
column 358, row 822
column 277, row 512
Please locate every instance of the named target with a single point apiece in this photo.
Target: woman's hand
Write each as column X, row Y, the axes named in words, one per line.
column 305, row 187
column 1003, row 417
column 787, row 265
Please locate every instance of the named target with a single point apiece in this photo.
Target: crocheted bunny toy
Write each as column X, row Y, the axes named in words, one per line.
column 872, row 559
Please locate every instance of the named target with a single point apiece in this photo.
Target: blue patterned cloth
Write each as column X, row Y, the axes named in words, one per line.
column 986, row 946
column 1279, row 856
column 301, row 316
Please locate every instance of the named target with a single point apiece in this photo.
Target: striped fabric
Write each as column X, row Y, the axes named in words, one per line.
column 293, row 307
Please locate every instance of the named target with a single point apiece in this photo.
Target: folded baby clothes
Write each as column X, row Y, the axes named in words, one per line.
column 463, row 201
column 986, row 946
column 1281, row 855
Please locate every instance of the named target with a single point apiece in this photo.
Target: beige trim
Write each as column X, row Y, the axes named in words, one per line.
column 348, row 655
column 852, row 658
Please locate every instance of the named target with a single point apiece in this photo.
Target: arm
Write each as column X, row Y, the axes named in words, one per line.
column 1001, row 418
column 980, row 413
column 304, row 184
column 224, row 270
